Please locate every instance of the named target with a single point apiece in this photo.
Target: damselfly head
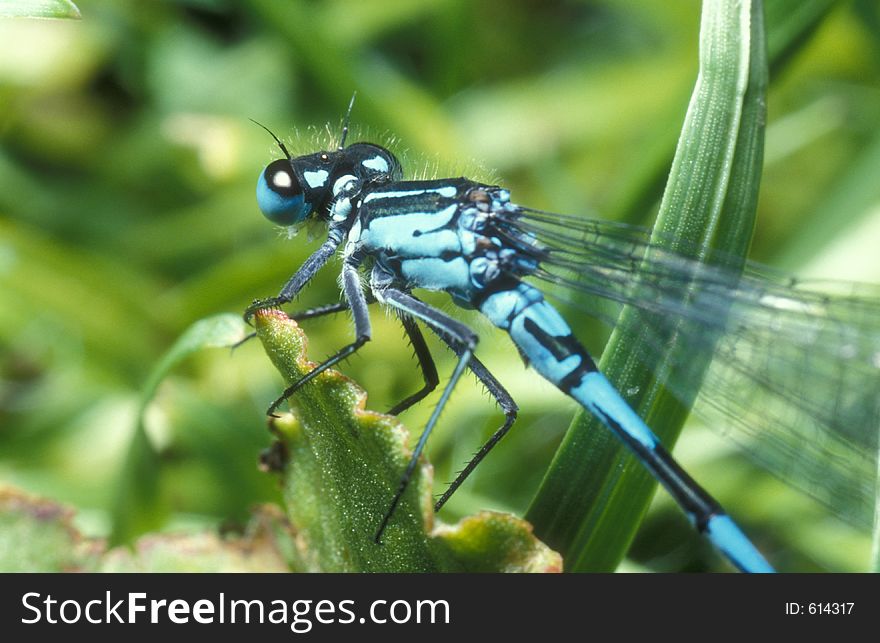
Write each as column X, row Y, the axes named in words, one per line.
column 289, row 190
column 279, row 193
column 292, row 188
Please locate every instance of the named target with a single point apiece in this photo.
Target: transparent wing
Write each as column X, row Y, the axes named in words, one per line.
column 795, row 376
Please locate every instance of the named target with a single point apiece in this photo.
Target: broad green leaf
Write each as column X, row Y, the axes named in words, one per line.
column 39, row 9
column 595, row 493
column 37, row 535
column 341, row 464
column 267, row 545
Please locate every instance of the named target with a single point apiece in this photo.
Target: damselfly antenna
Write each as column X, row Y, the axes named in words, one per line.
column 345, row 122
column 280, row 144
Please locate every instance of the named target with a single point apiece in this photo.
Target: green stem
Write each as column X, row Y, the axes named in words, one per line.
column 595, row 493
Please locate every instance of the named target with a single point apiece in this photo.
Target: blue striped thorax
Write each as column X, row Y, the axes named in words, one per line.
column 443, row 235
column 291, row 189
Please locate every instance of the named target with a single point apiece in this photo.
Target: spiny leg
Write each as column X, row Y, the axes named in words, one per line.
column 354, row 295
column 429, row 368
column 300, row 278
column 495, row 389
column 456, row 332
column 423, row 354
column 320, row 311
column 426, row 363
column 508, row 406
column 328, row 309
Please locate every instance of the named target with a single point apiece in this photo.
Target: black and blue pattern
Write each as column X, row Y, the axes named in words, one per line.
column 461, row 237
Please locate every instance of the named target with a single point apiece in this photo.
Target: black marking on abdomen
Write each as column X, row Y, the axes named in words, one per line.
column 500, row 284
column 576, row 376
column 696, row 502
column 560, row 346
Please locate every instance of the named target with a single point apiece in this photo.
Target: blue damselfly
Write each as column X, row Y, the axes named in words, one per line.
column 798, row 365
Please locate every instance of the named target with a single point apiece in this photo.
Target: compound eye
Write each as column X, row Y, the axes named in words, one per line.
column 280, row 196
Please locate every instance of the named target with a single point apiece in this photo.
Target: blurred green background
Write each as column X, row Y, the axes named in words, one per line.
column 127, row 212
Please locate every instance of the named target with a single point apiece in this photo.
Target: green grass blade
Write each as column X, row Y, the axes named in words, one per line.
column 138, row 508
column 789, row 27
column 39, row 9
column 594, row 495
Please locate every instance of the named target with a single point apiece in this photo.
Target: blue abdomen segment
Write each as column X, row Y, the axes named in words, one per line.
column 598, row 396
column 730, row 539
column 539, row 331
column 546, row 341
